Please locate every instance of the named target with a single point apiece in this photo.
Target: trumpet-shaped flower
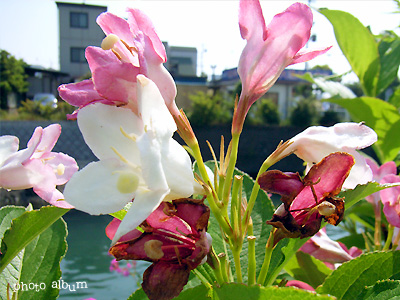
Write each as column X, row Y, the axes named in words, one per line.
column 138, row 159
column 390, row 198
column 36, row 166
column 174, row 238
column 316, row 142
column 322, row 247
column 306, row 201
column 130, row 48
column 270, row 49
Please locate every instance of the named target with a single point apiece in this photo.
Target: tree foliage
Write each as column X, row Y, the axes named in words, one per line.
column 12, row 76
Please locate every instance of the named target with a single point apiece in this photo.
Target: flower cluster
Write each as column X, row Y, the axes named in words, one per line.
column 36, row 166
column 144, row 178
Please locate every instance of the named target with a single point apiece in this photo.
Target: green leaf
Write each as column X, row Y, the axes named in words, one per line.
column 349, row 280
column 25, row 229
column 281, row 255
column 139, row 294
column 308, row 269
column 390, row 59
column 361, row 191
column 382, row 117
column 32, row 272
column 197, row 293
column 359, row 47
column 234, row 291
column 395, row 98
column 7, row 214
column 382, row 290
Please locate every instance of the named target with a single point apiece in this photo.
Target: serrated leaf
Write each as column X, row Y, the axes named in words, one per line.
column 361, row 191
column 308, row 269
column 382, row 290
column 358, row 45
column 234, row 291
column 32, row 272
column 25, row 229
column 382, row 117
column 349, row 280
column 7, row 214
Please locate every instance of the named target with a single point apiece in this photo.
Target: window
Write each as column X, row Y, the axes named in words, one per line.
column 78, row 20
column 78, row 55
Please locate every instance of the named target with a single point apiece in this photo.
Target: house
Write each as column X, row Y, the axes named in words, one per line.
column 78, row 29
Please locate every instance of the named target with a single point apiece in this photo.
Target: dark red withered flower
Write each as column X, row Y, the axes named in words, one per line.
column 174, row 238
column 309, row 200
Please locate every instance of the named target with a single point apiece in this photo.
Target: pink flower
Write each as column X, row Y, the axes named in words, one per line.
column 36, row 166
column 131, row 47
column 322, row 247
column 390, row 198
column 270, row 49
column 174, row 238
column 377, row 175
column 306, row 201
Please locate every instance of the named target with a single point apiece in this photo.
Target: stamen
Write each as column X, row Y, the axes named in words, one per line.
column 131, row 136
column 153, row 250
column 60, row 170
column 109, row 41
column 326, row 208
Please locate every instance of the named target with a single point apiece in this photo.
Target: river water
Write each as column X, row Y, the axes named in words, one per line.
column 86, row 266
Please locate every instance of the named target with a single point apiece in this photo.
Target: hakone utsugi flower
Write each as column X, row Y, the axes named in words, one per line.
column 269, row 49
column 174, row 239
column 309, row 200
column 378, row 172
column 131, row 47
column 322, row 247
column 316, row 142
column 36, row 166
column 390, row 198
column 138, row 159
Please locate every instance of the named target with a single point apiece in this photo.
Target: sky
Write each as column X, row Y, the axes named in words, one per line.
column 29, row 28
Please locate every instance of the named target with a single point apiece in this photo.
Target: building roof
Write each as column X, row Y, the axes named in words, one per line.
column 80, row 5
column 287, row 76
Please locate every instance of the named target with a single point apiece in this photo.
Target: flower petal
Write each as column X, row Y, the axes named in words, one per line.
column 101, row 128
column 143, row 205
column 8, row 145
column 94, row 189
column 164, row 281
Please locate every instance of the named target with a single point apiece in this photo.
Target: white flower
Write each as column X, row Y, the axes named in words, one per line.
column 316, row 142
column 138, row 159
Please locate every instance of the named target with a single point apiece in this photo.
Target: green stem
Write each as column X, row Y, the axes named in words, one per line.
column 268, row 252
column 211, row 194
column 378, row 234
column 224, row 267
column 231, row 168
column 216, row 266
column 236, row 256
column 203, row 279
column 251, row 267
column 389, row 238
column 254, row 193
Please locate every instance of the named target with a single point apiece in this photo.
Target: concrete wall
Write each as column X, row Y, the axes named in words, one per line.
column 256, row 143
